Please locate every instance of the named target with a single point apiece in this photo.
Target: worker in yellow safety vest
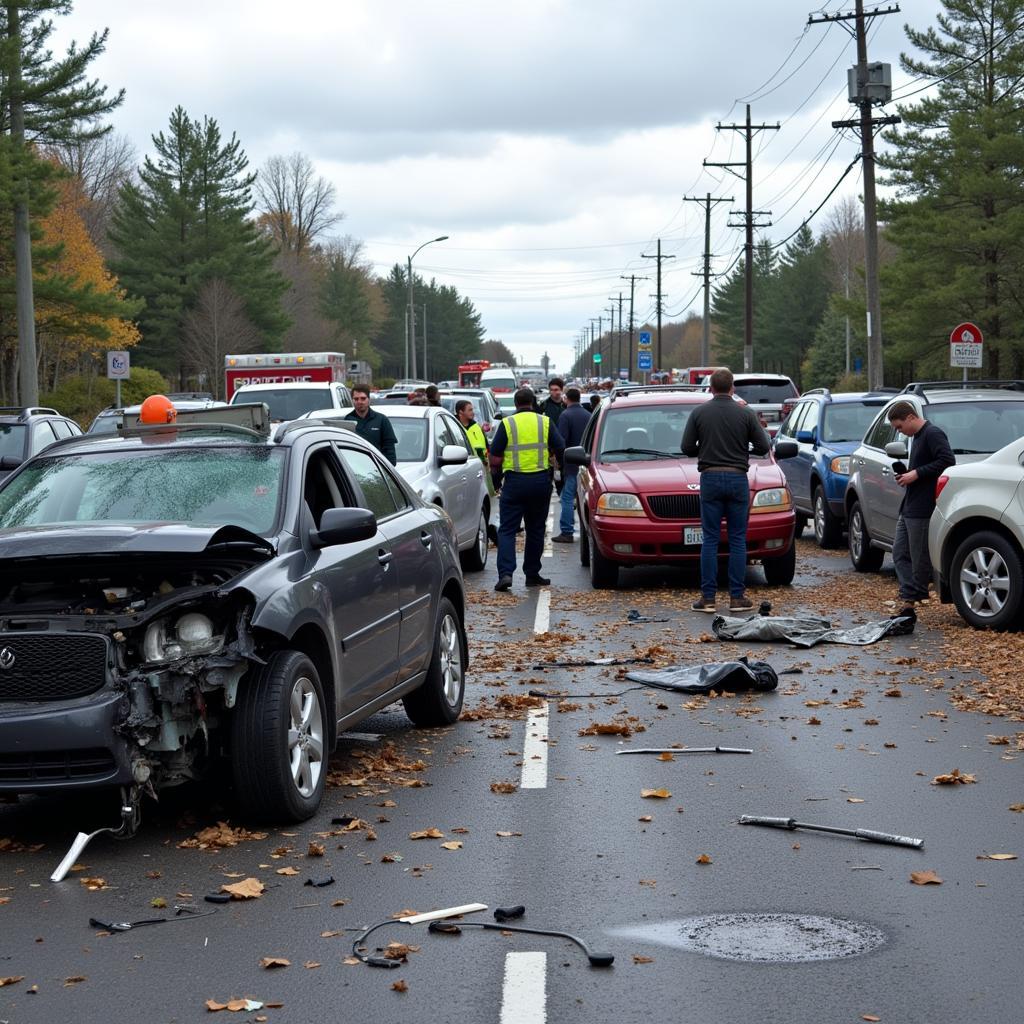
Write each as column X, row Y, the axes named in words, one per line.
column 464, row 411
column 523, row 450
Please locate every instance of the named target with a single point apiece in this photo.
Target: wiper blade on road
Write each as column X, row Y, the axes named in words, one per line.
column 639, row 451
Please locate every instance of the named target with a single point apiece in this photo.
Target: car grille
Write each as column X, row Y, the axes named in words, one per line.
column 56, row 765
column 46, row 666
column 674, row 506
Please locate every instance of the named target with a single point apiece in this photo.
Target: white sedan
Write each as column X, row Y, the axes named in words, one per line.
column 437, row 460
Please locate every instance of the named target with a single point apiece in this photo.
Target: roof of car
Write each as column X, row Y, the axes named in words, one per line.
column 19, row 414
column 656, row 394
column 931, row 392
column 842, row 397
column 413, row 412
column 301, row 385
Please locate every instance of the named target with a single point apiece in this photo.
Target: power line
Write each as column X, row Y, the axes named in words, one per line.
column 817, row 209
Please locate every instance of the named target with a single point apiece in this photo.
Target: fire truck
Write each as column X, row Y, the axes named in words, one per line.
column 283, row 368
column 469, row 372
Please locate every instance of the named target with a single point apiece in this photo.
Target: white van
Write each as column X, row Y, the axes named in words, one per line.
column 499, row 379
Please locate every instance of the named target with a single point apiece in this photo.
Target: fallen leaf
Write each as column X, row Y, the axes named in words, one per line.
column 925, row 878
column 508, row 835
column 249, row 889
column 871, row 721
column 158, row 903
column 13, row 980
column 315, row 849
column 703, row 859
column 1018, row 808
column 311, row 964
column 854, row 800
column 94, row 884
column 813, row 721
column 997, row 856
column 287, row 871
column 999, row 741
column 351, row 961
column 649, row 882
column 503, row 787
column 427, row 833
column 400, row 986
column 655, row 794
column 269, row 962
column 154, row 874
column 455, row 844
column 666, row 756
column 399, row 950
column 870, row 1017
column 637, row 959
column 329, row 935
column 953, row 778
column 646, row 817
column 219, row 835
column 607, row 729
column 74, row 980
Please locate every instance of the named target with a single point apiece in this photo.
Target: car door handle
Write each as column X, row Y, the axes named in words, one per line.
column 885, row 471
column 425, row 539
column 384, row 557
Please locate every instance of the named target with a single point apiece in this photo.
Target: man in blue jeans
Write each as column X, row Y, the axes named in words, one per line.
column 571, row 424
column 721, row 434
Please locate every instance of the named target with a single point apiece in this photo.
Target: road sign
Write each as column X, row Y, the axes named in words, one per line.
column 118, row 366
column 645, row 339
column 965, row 345
column 644, row 361
column 623, row 373
column 597, row 357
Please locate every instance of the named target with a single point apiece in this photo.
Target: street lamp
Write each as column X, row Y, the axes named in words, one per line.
column 412, row 311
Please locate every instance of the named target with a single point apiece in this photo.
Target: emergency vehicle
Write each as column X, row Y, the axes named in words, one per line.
column 283, row 368
column 469, row 372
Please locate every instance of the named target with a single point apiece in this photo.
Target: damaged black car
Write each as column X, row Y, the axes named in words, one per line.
column 181, row 597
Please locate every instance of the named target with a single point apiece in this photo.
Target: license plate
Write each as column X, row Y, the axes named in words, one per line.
column 693, row 535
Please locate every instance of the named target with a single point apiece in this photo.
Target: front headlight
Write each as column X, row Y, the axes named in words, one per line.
column 190, row 635
column 613, row 504
column 773, row 499
column 841, row 464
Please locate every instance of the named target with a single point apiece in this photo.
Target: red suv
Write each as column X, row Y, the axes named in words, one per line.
column 639, row 497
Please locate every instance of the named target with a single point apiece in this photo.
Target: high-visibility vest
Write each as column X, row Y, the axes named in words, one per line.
column 527, row 448
column 477, row 439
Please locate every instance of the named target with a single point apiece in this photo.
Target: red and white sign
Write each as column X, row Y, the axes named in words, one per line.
column 965, row 345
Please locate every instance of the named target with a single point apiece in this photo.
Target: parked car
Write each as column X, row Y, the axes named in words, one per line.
column 771, row 395
column 181, row 595
column 26, row 431
column 436, row 459
column 638, row 496
column 976, row 539
column 290, row 401
column 978, row 417
column 826, row 428
column 110, row 420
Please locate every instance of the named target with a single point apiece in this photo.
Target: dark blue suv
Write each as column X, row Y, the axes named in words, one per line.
column 826, row 428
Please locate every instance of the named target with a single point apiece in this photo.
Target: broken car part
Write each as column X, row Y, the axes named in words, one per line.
column 858, row 833
column 633, row 615
column 127, row 926
column 733, row 676
column 688, row 750
column 430, row 915
column 808, row 630
column 596, row 959
column 131, row 815
column 509, row 913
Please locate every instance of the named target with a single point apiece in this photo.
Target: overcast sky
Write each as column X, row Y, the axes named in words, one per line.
column 552, row 140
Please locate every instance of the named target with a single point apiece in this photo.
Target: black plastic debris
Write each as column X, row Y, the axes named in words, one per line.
column 808, row 630
column 733, row 676
column 345, row 819
column 509, row 913
column 633, row 615
column 595, row 661
column 319, row 883
column 218, row 897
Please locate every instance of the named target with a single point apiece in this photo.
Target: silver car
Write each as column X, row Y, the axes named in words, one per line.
column 978, row 419
column 976, row 539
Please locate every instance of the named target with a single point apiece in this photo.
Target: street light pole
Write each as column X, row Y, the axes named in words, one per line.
column 412, row 308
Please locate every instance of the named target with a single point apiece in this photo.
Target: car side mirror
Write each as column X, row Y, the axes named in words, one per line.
column 577, row 456
column 453, row 455
column 787, row 449
column 896, row 449
column 343, row 526
column 806, row 436
column 10, row 461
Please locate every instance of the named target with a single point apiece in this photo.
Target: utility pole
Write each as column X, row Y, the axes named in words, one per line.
column 425, row 377
column 659, row 258
column 705, row 338
column 629, row 371
column 614, row 355
column 748, row 215
column 406, row 342
column 868, row 84
column 632, row 279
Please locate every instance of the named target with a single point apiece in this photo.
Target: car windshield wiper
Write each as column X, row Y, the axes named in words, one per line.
column 969, row 451
column 638, row 451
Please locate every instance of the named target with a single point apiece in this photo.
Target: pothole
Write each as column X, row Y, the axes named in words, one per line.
column 764, row 938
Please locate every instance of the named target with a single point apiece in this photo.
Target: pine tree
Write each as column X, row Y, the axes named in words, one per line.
column 728, row 310
column 185, row 222
column 958, row 220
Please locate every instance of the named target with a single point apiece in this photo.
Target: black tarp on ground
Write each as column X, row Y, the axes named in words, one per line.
column 733, row 676
column 808, row 630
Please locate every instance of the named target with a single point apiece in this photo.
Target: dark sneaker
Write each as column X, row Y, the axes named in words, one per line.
column 562, row 538
column 537, row 581
column 740, row 604
column 704, row 604
column 504, row 583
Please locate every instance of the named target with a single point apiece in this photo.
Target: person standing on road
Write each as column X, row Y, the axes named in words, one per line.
column 552, row 407
column 521, row 455
column 464, row 412
column 721, row 434
column 433, row 394
column 373, row 426
column 930, row 455
column 571, row 424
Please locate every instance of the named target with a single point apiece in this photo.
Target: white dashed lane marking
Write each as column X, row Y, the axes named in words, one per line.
column 524, row 996
column 542, row 617
column 535, row 750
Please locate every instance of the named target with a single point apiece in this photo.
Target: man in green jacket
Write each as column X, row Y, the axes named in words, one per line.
column 374, row 426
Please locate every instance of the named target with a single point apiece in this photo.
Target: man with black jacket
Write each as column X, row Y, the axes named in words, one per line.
column 552, row 407
column 930, row 455
column 374, row 426
column 571, row 424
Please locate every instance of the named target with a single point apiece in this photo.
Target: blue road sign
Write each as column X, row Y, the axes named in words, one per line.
column 645, row 339
column 644, row 360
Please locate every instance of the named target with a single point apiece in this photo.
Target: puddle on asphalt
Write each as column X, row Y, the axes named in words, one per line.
column 762, row 938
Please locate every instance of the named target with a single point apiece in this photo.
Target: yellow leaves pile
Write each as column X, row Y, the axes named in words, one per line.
column 953, row 778
column 219, row 836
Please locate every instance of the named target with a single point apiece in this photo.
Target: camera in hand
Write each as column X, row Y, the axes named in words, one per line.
column 899, row 468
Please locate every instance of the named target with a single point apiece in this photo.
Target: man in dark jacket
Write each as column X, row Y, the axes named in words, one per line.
column 552, row 407
column 374, row 426
column 722, row 433
column 930, row 454
column 571, row 424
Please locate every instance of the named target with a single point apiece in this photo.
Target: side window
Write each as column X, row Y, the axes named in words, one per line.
column 344, row 397
column 789, row 425
column 459, row 435
column 441, row 437
column 588, row 434
column 322, row 487
column 401, row 499
column 42, row 435
column 62, row 428
column 808, row 416
column 881, row 432
column 377, row 493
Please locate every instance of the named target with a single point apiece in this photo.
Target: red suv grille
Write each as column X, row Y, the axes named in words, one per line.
column 674, row 506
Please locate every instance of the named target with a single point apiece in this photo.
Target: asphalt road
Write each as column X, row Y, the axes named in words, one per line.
column 578, row 845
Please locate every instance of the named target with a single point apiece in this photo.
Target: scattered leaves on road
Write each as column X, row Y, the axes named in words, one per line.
column 219, row 836
column 953, row 778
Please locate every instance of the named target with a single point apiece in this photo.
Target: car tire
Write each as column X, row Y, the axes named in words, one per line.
column 279, row 732
column 779, row 572
column 828, row 529
column 984, row 559
column 584, row 545
column 438, row 699
column 864, row 557
column 604, row 573
column 800, row 525
column 474, row 559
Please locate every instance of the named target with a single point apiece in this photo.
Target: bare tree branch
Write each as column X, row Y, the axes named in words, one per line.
column 298, row 205
column 216, row 327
